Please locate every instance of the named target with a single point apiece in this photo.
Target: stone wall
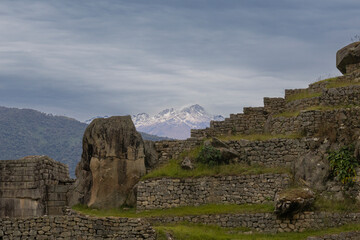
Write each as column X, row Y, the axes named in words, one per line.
column 168, row 193
column 75, row 227
column 274, row 105
column 341, row 96
column 251, row 121
column 306, row 123
column 172, row 149
column 271, row 153
column 268, row 222
column 24, row 184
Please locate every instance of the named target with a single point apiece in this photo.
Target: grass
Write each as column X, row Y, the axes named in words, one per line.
column 302, row 95
column 179, row 211
column 173, row 170
column 314, row 108
column 340, row 84
column 257, row 137
column 209, row 232
column 326, row 205
column 326, row 80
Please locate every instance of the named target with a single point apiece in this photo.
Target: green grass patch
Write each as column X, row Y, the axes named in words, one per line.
column 258, row 137
column 179, row 211
column 340, row 84
column 330, row 205
column 327, row 80
column 302, row 95
column 173, row 170
column 190, row 231
column 314, row 108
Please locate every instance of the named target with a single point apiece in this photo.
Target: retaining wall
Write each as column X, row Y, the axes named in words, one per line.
column 268, row 222
column 168, row 193
column 271, row 153
column 75, row 227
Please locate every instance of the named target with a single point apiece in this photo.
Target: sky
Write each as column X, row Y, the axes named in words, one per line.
column 86, row 58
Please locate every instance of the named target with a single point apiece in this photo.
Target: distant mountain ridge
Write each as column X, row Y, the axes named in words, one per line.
column 25, row 132
column 175, row 123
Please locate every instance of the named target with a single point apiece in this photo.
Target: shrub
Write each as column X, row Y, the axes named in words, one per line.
column 343, row 164
column 210, row 156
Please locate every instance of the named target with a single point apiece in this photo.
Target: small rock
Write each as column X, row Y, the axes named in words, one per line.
column 187, row 164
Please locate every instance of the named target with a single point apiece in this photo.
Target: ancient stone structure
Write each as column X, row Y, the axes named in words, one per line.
column 75, row 226
column 167, row 193
column 112, row 162
column 316, row 119
column 33, row 186
column 267, row 222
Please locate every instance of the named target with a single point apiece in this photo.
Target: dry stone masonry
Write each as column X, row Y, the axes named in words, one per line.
column 29, row 186
column 75, row 227
column 168, row 193
column 267, row 222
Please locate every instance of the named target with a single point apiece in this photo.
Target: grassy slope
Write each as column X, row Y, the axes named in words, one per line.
column 188, row 231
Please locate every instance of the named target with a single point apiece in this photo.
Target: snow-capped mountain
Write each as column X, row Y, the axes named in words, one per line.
column 173, row 123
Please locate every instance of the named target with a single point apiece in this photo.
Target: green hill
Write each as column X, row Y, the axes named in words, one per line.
column 26, row 132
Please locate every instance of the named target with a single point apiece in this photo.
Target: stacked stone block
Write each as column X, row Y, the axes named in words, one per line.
column 268, row 222
column 75, row 227
column 168, row 193
column 271, row 153
column 24, row 184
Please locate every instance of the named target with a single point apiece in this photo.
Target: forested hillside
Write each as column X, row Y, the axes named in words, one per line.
column 26, row 132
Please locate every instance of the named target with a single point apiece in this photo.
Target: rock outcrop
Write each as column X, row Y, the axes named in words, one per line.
column 349, row 54
column 112, row 162
column 292, row 201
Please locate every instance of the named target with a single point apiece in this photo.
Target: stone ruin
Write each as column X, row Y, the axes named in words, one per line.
column 115, row 157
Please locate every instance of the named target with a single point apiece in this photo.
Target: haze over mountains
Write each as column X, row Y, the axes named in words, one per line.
column 175, row 123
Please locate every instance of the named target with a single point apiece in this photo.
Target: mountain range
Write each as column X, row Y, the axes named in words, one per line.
column 175, row 123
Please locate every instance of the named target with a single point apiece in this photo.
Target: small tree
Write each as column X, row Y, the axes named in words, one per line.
column 343, row 164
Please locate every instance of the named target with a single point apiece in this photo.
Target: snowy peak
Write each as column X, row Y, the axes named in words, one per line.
column 173, row 123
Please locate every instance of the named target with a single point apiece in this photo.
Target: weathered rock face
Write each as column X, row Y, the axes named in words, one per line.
column 112, row 162
column 313, row 166
column 348, row 55
column 292, row 201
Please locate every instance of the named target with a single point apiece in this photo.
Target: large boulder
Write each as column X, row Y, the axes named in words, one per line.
column 112, row 162
column 348, row 55
column 291, row 201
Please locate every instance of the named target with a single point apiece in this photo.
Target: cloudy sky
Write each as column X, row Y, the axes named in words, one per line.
column 88, row 58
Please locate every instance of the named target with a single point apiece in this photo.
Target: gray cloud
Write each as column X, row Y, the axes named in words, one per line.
column 86, row 58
